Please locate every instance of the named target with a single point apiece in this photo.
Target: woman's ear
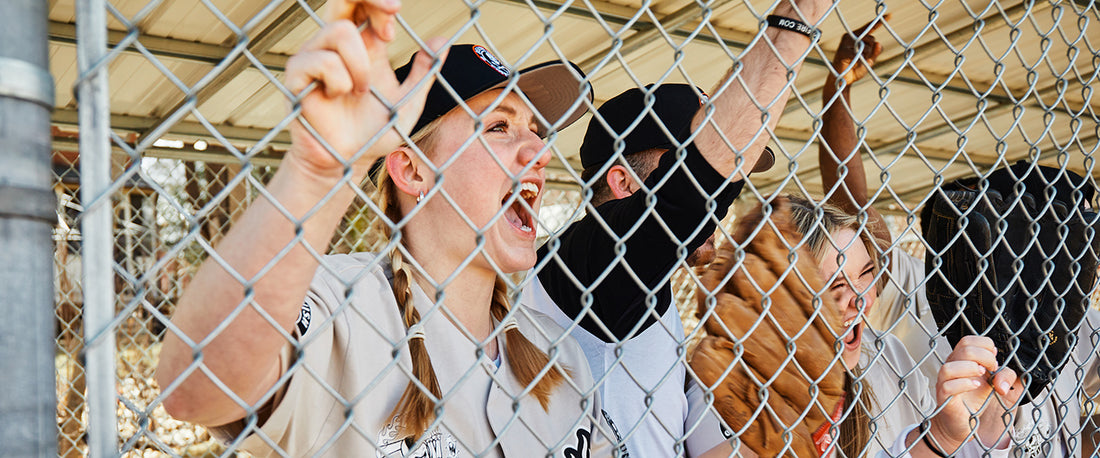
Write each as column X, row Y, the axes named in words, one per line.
column 408, row 172
column 620, row 182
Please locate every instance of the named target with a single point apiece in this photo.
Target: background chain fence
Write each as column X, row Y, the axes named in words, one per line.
column 184, row 168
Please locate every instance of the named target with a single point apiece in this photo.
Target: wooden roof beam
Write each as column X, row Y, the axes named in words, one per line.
column 170, row 48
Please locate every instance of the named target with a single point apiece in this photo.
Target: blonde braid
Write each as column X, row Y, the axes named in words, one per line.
column 415, row 408
column 525, row 359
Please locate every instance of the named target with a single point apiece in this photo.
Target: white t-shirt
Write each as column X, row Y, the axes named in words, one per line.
column 898, row 405
column 902, row 309
column 352, row 370
column 641, row 380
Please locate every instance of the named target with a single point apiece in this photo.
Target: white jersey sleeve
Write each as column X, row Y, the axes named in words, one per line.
column 704, row 428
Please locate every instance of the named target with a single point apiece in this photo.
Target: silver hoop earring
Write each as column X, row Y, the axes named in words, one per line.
column 420, row 197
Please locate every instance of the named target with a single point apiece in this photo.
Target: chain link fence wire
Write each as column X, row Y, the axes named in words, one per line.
column 197, row 127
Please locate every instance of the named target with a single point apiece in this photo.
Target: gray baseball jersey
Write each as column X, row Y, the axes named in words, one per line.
column 352, row 369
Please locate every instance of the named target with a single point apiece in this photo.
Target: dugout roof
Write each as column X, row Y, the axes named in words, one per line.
column 960, row 86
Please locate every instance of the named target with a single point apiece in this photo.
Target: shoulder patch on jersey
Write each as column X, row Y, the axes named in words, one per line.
column 304, row 315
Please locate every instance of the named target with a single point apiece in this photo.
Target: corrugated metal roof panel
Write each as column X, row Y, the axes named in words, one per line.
column 189, row 39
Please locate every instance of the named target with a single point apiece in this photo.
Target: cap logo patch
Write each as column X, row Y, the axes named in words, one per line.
column 490, row 60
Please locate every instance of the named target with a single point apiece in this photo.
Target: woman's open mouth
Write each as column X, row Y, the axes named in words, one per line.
column 518, row 215
column 854, row 335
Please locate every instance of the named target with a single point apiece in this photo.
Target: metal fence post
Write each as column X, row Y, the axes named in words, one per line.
column 27, row 216
column 96, row 227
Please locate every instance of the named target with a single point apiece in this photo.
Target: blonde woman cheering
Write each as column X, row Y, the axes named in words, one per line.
column 416, row 349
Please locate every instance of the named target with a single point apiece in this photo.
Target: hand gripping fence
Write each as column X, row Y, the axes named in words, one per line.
column 953, row 144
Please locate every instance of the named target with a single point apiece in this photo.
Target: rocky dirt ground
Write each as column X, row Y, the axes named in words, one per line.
column 142, row 432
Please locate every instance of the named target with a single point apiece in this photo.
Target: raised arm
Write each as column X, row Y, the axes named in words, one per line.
column 841, row 144
column 763, row 75
column 306, row 200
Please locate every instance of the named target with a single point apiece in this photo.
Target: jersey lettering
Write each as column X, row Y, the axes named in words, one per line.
column 435, row 444
column 623, row 452
column 584, row 445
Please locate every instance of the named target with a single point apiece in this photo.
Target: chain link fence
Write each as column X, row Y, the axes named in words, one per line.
column 183, row 106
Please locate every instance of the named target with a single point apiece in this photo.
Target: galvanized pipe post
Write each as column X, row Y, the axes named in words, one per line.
column 97, row 255
column 28, row 212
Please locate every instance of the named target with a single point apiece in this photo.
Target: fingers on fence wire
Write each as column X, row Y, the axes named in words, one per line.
column 336, row 58
column 354, row 89
column 965, row 384
column 766, row 305
column 858, row 51
column 379, row 16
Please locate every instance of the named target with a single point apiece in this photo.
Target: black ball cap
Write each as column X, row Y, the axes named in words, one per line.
column 557, row 93
column 638, row 115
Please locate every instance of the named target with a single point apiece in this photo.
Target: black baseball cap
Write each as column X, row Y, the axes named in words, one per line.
column 674, row 105
column 553, row 89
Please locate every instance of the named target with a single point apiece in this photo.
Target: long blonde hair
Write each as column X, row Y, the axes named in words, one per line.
column 816, row 222
column 416, row 408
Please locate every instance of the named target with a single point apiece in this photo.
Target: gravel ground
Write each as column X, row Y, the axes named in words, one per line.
column 161, row 435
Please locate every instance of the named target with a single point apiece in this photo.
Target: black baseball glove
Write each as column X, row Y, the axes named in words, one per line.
column 1013, row 257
